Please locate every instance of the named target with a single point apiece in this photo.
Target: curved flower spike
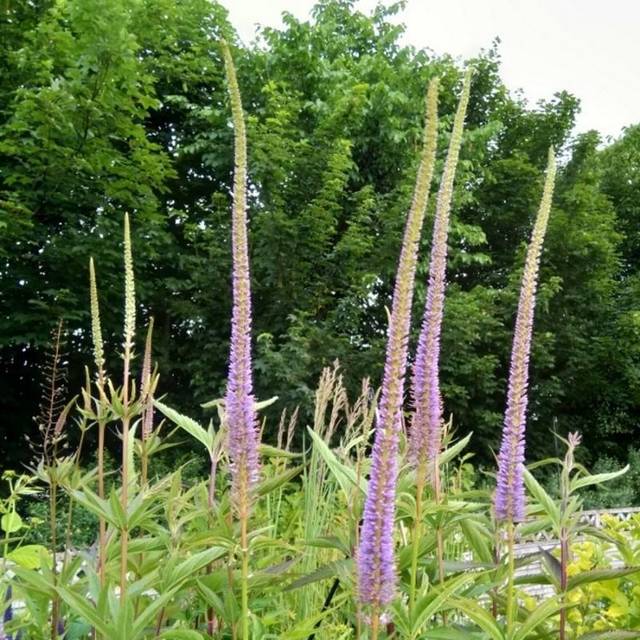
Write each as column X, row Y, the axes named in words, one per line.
column 509, row 502
column 239, row 401
column 425, row 437
column 376, row 568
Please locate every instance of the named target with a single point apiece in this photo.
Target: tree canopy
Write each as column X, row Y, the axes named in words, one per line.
column 109, row 106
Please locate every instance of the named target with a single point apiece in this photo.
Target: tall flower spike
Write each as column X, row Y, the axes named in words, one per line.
column 239, row 401
column 96, row 328
column 425, row 436
column 376, row 567
column 129, row 287
column 509, row 500
column 146, row 391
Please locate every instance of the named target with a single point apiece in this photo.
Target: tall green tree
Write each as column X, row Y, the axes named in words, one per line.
column 110, row 105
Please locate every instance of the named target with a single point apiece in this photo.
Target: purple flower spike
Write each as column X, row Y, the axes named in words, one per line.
column 425, row 437
column 239, row 401
column 376, row 567
column 509, row 502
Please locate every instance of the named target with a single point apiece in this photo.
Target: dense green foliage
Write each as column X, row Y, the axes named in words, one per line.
column 110, row 105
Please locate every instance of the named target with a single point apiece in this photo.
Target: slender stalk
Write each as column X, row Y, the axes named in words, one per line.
column 129, row 329
column 144, row 463
column 54, row 544
column 375, row 624
column 68, row 538
column 437, row 493
column 511, row 595
column 98, row 350
column 51, row 437
column 102, row 525
column 565, row 531
column 496, row 559
column 210, row 503
column 230, row 578
column 416, row 537
column 124, row 531
column 244, row 543
column 159, row 621
column 438, row 499
column 564, row 561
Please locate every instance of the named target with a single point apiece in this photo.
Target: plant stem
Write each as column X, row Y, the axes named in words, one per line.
column 437, row 494
column 124, row 531
column 244, row 542
column 375, row 625
column 417, row 534
column 511, row 596
column 564, row 561
column 159, row 621
column 68, row 537
column 210, row 503
column 144, row 463
column 54, row 544
column 496, row 560
column 102, row 531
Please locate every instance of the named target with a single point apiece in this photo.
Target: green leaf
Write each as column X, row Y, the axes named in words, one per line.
column 35, row 580
column 616, row 634
column 580, row 482
column 480, row 616
column 534, row 578
column 269, row 451
column 190, row 567
column 78, row 630
column 11, row 522
column 329, row 570
column 478, row 538
column 28, row 556
column 263, row 404
column 346, row 476
column 553, row 567
column 450, row 633
column 271, row 484
column 598, row 575
column 434, row 601
column 116, row 509
column 181, row 634
column 538, row 616
column 150, row 612
column 96, row 505
column 543, row 498
column 329, row 542
column 84, row 609
column 452, row 452
column 189, row 425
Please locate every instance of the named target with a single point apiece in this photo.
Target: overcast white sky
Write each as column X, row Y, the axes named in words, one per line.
column 588, row 47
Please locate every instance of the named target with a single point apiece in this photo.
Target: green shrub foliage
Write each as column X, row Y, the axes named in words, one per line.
column 106, row 106
column 115, row 111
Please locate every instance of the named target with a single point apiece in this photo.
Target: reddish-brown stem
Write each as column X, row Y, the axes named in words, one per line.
column 564, row 562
